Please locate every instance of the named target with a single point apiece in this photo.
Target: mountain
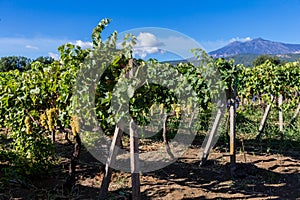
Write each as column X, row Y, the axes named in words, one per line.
column 256, row 46
column 246, row 52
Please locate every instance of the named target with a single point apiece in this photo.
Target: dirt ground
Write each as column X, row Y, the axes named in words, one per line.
column 257, row 176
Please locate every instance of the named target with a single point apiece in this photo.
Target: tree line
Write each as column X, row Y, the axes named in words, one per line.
column 21, row 63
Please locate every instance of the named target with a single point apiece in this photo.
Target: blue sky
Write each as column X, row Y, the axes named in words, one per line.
column 35, row 28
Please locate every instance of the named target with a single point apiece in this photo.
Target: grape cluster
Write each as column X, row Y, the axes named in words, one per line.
column 75, row 124
column 51, row 118
column 28, row 125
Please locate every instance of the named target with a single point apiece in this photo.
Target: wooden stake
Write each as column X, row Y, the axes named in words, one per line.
column 295, row 115
column 232, row 132
column 264, row 120
column 280, row 102
column 134, row 156
column 134, row 161
column 206, row 149
column 116, row 141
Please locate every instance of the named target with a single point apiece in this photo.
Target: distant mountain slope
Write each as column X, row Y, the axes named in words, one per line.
column 247, row 59
column 246, row 52
column 256, row 46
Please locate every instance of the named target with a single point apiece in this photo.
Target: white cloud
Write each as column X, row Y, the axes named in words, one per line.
column 55, row 56
column 147, row 43
column 31, row 47
column 82, row 44
column 147, row 40
column 240, row 39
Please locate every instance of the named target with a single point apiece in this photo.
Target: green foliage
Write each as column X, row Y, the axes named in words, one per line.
column 45, row 60
column 21, row 63
column 14, row 62
column 248, row 59
column 34, row 104
column 263, row 58
column 269, row 78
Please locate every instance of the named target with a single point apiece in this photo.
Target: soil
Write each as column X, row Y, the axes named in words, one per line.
column 257, row 175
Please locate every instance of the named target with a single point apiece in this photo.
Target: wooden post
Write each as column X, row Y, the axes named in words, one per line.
column 297, row 112
column 208, row 145
column 295, row 115
column 232, row 112
column 227, row 126
column 116, row 141
column 134, row 149
column 280, row 102
column 264, row 120
column 134, row 161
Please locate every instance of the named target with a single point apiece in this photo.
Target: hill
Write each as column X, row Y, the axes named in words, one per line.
column 246, row 52
column 256, row 46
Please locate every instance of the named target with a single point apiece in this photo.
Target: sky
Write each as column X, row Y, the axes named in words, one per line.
column 38, row 28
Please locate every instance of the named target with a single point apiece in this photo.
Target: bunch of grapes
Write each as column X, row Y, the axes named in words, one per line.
column 28, row 125
column 43, row 119
column 75, row 124
column 51, row 118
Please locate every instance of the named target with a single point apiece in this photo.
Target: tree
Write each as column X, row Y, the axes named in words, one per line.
column 14, row 62
column 45, row 59
column 263, row 58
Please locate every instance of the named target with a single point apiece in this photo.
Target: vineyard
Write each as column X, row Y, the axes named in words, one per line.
column 55, row 116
